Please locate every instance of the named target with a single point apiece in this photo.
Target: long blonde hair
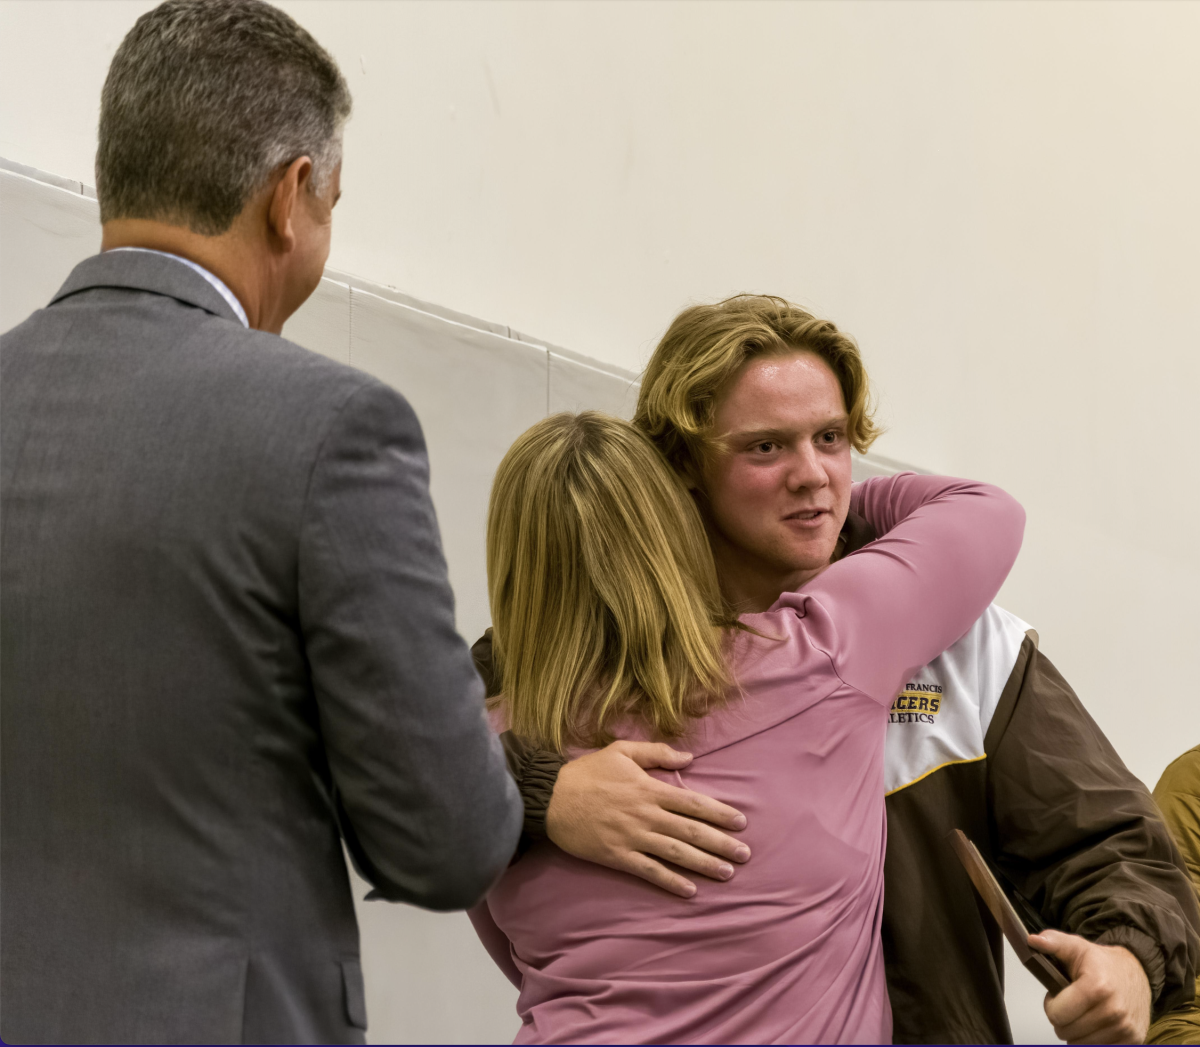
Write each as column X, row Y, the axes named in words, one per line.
column 602, row 586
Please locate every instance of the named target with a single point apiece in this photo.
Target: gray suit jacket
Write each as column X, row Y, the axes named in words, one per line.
column 227, row 630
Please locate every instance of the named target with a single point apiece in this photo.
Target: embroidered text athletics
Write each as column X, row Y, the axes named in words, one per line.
column 917, row 703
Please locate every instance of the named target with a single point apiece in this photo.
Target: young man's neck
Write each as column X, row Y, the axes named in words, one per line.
column 751, row 588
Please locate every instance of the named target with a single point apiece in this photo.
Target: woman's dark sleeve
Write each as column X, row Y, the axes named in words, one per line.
column 535, row 770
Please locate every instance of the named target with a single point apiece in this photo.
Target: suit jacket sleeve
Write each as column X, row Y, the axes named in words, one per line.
column 427, row 809
column 1079, row 836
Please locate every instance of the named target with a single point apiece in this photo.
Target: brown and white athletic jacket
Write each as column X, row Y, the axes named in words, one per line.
column 989, row 738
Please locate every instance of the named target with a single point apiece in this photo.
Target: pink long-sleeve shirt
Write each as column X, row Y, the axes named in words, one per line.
column 789, row 950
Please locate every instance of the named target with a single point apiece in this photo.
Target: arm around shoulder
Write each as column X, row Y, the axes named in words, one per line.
column 428, row 809
column 945, row 547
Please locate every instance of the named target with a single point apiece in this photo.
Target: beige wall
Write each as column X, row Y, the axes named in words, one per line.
column 998, row 199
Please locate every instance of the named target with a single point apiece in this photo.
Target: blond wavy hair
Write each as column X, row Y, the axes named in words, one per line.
column 706, row 346
column 603, row 591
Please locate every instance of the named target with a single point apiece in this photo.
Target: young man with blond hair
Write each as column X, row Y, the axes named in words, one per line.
column 988, row 737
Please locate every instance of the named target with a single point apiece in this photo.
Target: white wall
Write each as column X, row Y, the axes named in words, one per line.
column 998, row 199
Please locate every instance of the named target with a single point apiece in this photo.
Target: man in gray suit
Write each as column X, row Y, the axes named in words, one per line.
column 228, row 635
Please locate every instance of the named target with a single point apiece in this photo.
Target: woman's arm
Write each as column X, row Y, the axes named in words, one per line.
column 944, row 550
column 499, row 948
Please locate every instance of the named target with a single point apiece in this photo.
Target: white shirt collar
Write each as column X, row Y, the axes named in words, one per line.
column 218, row 284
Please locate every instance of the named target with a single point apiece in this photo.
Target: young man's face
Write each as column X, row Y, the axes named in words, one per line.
column 777, row 487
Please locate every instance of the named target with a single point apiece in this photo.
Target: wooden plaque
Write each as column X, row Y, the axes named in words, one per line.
column 1044, row 968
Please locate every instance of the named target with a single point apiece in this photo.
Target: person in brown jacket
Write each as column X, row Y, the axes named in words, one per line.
column 1178, row 797
column 988, row 738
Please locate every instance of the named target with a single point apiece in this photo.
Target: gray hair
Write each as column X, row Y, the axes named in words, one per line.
column 204, row 100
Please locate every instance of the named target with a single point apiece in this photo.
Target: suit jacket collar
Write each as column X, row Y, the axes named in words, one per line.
column 139, row 271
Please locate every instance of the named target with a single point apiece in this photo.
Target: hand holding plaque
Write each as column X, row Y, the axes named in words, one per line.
column 1044, row 968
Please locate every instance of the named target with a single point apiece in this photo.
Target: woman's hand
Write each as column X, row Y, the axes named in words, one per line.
column 606, row 809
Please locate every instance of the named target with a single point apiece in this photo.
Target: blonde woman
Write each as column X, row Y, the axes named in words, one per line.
column 609, row 623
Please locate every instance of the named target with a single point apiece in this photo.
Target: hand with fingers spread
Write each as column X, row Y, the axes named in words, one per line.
column 1108, row 1000
column 606, row 809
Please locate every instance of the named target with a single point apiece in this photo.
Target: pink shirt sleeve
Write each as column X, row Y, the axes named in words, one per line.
column 944, row 550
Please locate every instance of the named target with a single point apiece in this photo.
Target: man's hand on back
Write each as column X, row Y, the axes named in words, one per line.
column 1108, row 1000
column 606, row 809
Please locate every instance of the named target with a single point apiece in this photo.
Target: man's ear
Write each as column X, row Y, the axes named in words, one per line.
column 285, row 199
